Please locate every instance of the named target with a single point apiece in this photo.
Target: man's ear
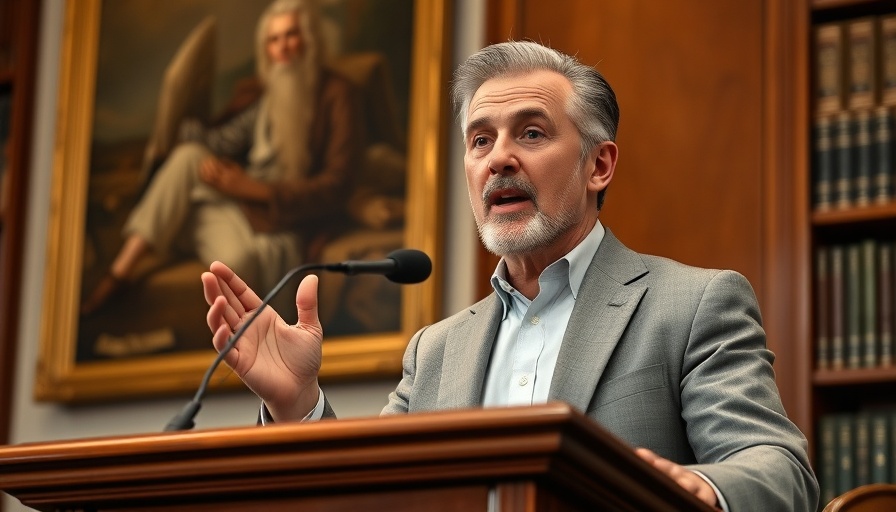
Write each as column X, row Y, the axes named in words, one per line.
column 603, row 156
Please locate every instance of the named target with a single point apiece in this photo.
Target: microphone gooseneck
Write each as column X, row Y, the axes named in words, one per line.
column 405, row 266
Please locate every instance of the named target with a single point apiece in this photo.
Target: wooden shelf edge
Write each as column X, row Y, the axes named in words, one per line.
column 876, row 212
column 824, row 378
column 819, row 5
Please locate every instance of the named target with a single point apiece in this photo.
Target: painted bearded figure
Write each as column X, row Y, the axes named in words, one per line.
column 251, row 190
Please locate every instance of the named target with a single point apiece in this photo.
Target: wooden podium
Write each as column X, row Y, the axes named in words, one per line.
column 546, row 457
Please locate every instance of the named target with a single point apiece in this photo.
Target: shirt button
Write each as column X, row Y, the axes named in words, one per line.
column 535, row 320
column 523, row 380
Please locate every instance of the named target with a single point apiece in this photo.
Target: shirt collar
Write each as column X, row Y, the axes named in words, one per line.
column 577, row 260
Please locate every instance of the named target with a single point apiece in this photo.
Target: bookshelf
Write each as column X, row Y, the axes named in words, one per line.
column 18, row 45
column 852, row 229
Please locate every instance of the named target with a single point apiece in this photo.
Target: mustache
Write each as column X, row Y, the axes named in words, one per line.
column 505, row 182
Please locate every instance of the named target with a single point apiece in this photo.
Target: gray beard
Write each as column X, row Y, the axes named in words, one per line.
column 501, row 238
column 290, row 100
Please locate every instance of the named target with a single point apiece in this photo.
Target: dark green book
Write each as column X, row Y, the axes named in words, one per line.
column 885, row 301
column 846, row 473
column 824, row 163
column 891, row 438
column 880, row 448
column 827, row 457
column 853, row 306
column 868, row 269
column 843, row 146
column 862, row 159
column 862, row 440
column 838, row 307
column 884, row 165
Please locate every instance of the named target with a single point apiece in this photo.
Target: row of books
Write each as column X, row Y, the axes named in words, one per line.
column 855, row 307
column 855, row 64
column 855, row 105
column 854, row 158
column 855, row 449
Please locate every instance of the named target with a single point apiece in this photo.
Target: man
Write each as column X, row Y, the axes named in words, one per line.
column 245, row 190
column 670, row 358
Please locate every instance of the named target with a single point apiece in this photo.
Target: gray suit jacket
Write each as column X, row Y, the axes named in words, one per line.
column 665, row 356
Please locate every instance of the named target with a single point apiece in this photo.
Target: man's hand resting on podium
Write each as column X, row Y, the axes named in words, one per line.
column 277, row 361
column 690, row 481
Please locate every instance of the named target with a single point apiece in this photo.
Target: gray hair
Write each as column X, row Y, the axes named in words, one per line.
column 309, row 23
column 592, row 106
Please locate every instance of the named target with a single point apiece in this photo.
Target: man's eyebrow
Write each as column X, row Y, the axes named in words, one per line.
column 526, row 113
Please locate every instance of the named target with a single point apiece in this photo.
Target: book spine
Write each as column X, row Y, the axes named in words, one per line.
column 853, row 306
column 885, row 302
column 862, row 440
column 869, row 303
column 824, row 163
column 883, row 154
column 845, row 454
column 880, row 449
column 863, row 146
column 887, row 36
column 843, row 148
column 891, row 444
column 829, row 78
column 827, row 458
column 838, row 305
column 822, row 309
column 861, row 63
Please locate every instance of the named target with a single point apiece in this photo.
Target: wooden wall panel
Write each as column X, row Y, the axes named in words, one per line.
column 687, row 77
column 701, row 89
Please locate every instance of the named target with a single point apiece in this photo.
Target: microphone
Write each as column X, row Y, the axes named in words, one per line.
column 403, row 266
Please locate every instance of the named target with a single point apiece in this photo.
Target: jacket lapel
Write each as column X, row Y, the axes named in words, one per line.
column 467, row 351
column 606, row 302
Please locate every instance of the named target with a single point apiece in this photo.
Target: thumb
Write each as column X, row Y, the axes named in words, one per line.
column 306, row 303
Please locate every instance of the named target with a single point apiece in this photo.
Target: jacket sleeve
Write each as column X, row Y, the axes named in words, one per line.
column 735, row 420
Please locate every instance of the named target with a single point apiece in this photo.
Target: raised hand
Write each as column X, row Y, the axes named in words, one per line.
column 277, row 361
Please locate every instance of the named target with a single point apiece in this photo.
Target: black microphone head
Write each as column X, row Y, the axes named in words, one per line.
column 411, row 266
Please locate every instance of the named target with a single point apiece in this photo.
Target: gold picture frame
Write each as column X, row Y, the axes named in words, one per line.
column 62, row 376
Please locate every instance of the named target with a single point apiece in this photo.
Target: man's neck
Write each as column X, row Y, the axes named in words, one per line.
column 523, row 270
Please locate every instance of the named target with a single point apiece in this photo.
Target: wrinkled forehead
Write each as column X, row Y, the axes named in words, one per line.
column 282, row 22
column 540, row 90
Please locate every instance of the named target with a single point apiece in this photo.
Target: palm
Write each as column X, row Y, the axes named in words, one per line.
column 279, row 362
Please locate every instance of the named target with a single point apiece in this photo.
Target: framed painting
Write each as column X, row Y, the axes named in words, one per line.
column 136, row 78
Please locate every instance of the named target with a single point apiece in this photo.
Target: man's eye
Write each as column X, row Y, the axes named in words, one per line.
column 532, row 134
column 479, row 141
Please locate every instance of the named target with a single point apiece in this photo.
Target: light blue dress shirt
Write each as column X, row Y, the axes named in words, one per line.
column 531, row 331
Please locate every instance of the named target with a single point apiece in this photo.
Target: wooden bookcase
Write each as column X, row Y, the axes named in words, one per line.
column 847, row 392
column 18, row 53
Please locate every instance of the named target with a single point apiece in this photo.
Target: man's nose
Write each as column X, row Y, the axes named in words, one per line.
column 503, row 159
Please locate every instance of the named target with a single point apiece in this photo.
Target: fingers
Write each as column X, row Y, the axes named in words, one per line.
column 306, row 304
column 687, row 479
column 210, row 288
column 234, row 289
column 228, row 297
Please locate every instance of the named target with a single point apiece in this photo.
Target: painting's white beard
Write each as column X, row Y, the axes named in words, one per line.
column 290, row 103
